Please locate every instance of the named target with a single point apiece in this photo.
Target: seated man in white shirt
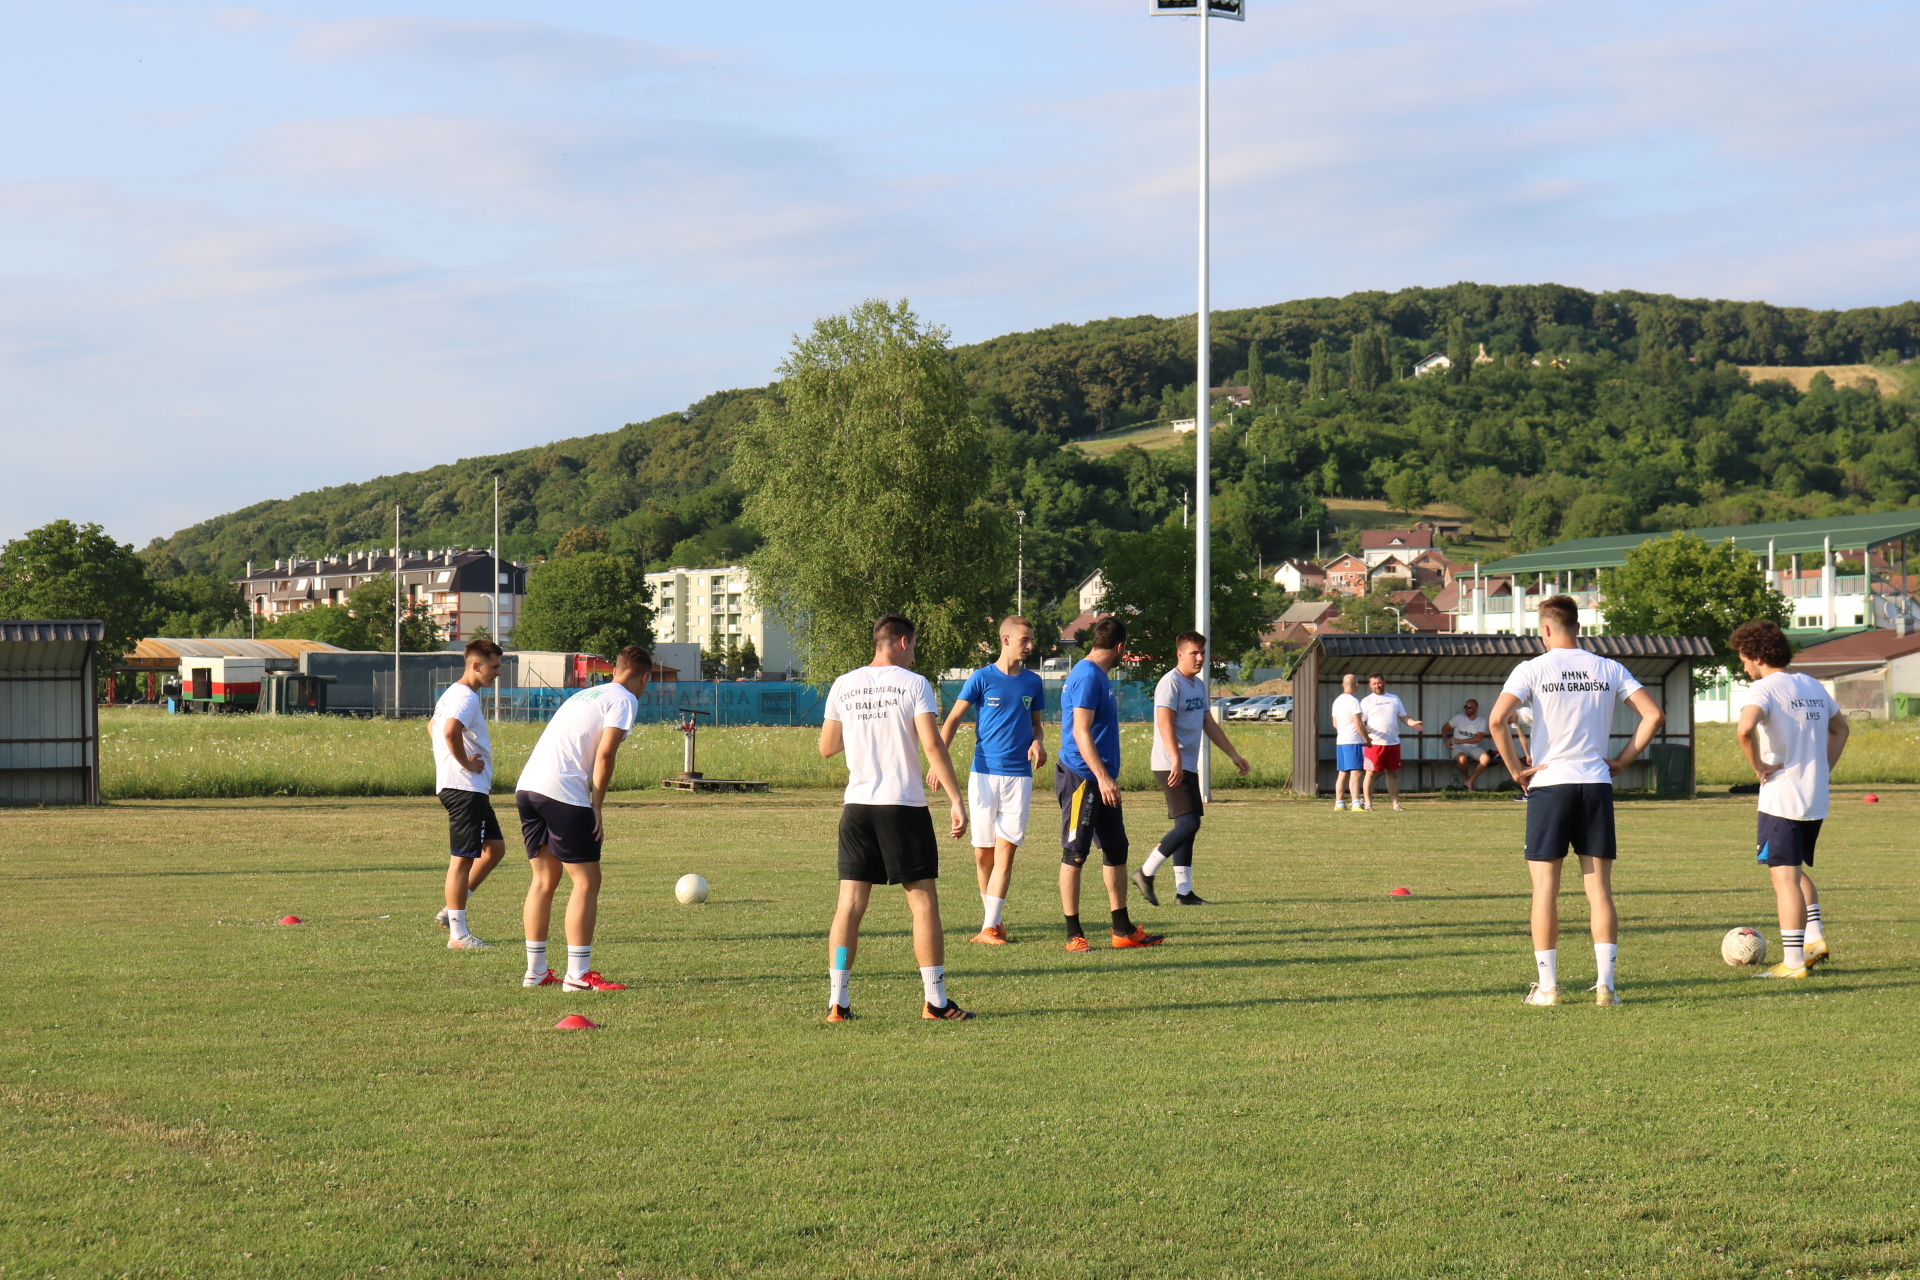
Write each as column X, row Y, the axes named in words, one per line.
column 1469, row 742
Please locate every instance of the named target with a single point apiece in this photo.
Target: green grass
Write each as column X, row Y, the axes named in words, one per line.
column 1309, row 1079
column 1877, row 751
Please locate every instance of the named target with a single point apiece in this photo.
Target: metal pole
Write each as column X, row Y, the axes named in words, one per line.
column 494, row 592
column 1203, row 428
column 396, row 611
column 1020, row 568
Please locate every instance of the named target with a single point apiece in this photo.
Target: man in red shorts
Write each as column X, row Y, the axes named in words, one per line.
column 1381, row 715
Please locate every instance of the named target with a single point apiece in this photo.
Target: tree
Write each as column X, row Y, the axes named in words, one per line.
column 371, row 604
column 1680, row 585
column 1459, row 354
column 328, row 623
column 1319, row 370
column 594, row 602
column 1256, row 375
column 1371, row 613
column 868, row 478
column 68, row 571
column 1407, row 490
column 1488, row 495
column 197, row 604
column 580, row 540
column 1367, row 362
column 1149, row 584
column 1599, row 515
column 747, row 661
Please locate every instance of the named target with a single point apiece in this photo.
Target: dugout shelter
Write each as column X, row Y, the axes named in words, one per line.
column 49, row 724
column 1435, row 674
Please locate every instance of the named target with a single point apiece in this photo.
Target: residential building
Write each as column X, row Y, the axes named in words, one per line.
column 716, row 609
column 1346, row 575
column 1388, row 571
column 1295, row 574
column 1437, row 362
column 1421, row 613
column 1866, row 672
column 1311, row 614
column 1432, row 566
column 453, row 587
column 1377, row 544
column 1089, row 591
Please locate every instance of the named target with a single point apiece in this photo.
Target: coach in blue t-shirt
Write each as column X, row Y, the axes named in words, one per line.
column 1010, row 744
column 1085, row 781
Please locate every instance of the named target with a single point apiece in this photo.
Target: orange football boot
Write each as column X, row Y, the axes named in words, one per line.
column 1077, row 945
column 993, row 935
column 1139, row 938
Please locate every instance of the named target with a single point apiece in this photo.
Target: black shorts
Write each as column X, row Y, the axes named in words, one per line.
column 470, row 820
column 1087, row 820
column 1579, row 814
column 888, row 843
column 1786, row 842
column 1185, row 798
column 565, row 829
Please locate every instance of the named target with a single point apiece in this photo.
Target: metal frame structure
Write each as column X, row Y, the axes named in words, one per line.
column 49, row 717
column 1434, row 674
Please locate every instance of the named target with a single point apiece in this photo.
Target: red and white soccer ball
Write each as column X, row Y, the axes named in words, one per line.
column 1743, row 946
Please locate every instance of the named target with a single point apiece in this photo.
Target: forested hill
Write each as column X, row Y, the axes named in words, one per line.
column 1566, row 413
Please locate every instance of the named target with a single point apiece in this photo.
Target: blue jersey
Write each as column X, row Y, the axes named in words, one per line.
column 1006, row 703
column 1088, row 686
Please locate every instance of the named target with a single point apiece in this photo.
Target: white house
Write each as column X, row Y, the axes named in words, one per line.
column 1088, row 592
column 1436, row 363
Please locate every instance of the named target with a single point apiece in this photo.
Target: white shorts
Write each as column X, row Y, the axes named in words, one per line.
column 999, row 804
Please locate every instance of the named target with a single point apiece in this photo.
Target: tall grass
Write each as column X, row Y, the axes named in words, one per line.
column 1878, row 751
column 148, row 755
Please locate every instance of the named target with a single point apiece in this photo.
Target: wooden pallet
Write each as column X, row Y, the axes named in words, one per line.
column 711, row 784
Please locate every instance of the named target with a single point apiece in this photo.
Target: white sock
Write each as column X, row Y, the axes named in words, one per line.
column 837, row 983
column 1814, row 931
column 1183, row 879
column 995, row 908
column 536, row 958
column 933, row 980
column 457, row 922
column 579, row 960
column 1152, row 864
column 1794, row 943
column 1604, row 955
column 1548, row 963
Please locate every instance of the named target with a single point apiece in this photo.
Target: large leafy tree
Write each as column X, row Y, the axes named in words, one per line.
column 1683, row 586
column 1149, row 583
column 372, row 604
column 867, row 477
column 64, row 570
column 594, row 602
column 328, row 623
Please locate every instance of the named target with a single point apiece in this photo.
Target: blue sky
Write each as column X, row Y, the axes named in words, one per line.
column 250, row 251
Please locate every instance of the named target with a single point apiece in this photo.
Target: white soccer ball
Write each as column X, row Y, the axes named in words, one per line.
column 1743, row 946
column 692, row 888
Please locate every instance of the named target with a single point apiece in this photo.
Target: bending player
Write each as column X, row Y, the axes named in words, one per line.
column 1010, row 742
column 1180, row 716
column 463, row 777
column 1570, row 784
column 561, row 794
column 882, row 716
column 1084, row 780
column 1792, row 736
column 1349, row 740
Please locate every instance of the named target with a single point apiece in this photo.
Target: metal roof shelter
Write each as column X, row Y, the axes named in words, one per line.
column 49, row 725
column 1786, row 538
column 163, row 653
column 1435, row 674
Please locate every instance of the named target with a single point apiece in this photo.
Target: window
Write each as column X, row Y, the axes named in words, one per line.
column 445, row 575
column 733, row 602
column 300, row 585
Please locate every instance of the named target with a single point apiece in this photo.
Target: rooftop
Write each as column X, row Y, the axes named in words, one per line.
column 1789, row 537
column 1871, row 646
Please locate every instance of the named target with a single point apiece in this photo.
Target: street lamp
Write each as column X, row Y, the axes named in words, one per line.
column 1020, row 564
column 493, row 591
column 1202, row 428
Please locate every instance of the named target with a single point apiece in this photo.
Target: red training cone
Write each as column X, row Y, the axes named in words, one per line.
column 576, row 1022
column 1401, row 892
column 289, row 919
column 1871, row 798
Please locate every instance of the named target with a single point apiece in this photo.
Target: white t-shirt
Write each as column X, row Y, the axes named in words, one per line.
column 561, row 766
column 462, row 704
column 1794, row 713
column 875, row 707
column 1465, row 726
column 1346, row 710
column 1383, row 713
column 1573, row 694
column 1187, row 699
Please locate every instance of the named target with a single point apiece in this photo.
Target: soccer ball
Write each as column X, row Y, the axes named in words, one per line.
column 1743, row 946
column 692, row 888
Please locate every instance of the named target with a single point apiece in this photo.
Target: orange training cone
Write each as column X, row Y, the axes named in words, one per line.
column 289, row 919
column 576, row 1022
column 1401, row 892
column 1871, row 798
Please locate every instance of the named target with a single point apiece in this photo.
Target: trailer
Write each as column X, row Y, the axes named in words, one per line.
column 220, row 684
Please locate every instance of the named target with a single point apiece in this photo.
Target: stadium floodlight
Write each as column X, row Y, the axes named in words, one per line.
column 1203, row 383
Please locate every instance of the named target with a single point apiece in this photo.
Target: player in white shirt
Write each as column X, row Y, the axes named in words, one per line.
column 1570, row 784
column 1470, row 742
column 560, row 797
column 463, row 778
column 1180, row 717
column 1381, row 715
column 883, row 715
column 1349, row 739
column 1792, row 736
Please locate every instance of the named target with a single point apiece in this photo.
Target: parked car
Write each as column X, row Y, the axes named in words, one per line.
column 1253, row 708
column 1280, row 710
column 1223, row 705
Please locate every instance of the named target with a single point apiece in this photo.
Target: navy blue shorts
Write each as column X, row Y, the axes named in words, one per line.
column 470, row 821
column 1786, row 842
column 1577, row 815
column 1086, row 820
column 566, row 830
column 1346, row 757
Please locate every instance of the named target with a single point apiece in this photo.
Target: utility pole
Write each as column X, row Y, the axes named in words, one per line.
column 396, row 611
column 494, row 594
column 1020, row 565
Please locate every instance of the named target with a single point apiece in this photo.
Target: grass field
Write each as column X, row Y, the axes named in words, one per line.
column 1309, row 1079
column 146, row 755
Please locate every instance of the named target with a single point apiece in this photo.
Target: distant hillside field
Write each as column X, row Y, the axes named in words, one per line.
column 1842, row 375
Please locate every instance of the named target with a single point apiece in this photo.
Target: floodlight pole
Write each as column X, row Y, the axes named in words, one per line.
column 494, row 594
column 1020, row 565
column 396, row 611
column 1202, row 427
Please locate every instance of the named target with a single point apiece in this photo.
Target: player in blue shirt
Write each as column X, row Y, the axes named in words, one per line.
column 1084, row 779
column 1010, row 743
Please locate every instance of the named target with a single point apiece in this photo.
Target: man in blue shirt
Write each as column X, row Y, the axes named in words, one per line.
column 1084, row 778
column 1010, row 743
